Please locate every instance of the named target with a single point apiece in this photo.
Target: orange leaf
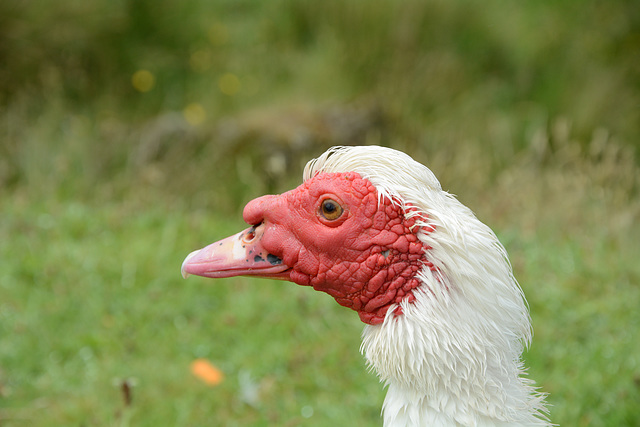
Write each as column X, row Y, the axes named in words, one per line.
column 208, row 373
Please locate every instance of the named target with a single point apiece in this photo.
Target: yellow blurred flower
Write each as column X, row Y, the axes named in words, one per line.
column 229, row 84
column 143, row 80
column 194, row 114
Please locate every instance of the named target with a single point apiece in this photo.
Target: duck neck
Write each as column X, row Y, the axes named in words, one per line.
column 446, row 367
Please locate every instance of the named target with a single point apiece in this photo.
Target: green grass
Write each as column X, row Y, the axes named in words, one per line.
column 528, row 112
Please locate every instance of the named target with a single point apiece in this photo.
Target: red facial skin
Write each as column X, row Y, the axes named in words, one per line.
column 366, row 259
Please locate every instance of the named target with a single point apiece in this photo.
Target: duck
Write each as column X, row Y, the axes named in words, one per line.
column 445, row 320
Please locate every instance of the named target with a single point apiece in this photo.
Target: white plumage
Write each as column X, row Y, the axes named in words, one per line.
column 454, row 357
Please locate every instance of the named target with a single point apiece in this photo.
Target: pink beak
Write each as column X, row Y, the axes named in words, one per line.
column 239, row 255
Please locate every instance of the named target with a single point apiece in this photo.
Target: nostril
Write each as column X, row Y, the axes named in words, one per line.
column 251, row 233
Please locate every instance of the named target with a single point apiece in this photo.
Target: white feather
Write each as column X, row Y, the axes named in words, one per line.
column 454, row 357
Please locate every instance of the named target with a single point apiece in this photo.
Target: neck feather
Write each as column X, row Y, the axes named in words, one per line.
column 449, row 367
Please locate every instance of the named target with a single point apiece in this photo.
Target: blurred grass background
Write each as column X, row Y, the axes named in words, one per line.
column 133, row 131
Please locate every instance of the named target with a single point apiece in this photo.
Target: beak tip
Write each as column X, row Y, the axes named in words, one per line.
column 183, row 270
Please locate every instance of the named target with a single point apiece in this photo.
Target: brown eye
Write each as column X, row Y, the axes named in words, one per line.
column 330, row 209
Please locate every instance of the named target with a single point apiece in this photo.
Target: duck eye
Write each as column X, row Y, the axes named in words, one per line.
column 330, row 209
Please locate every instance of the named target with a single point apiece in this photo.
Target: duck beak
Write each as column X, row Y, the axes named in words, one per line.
column 239, row 255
